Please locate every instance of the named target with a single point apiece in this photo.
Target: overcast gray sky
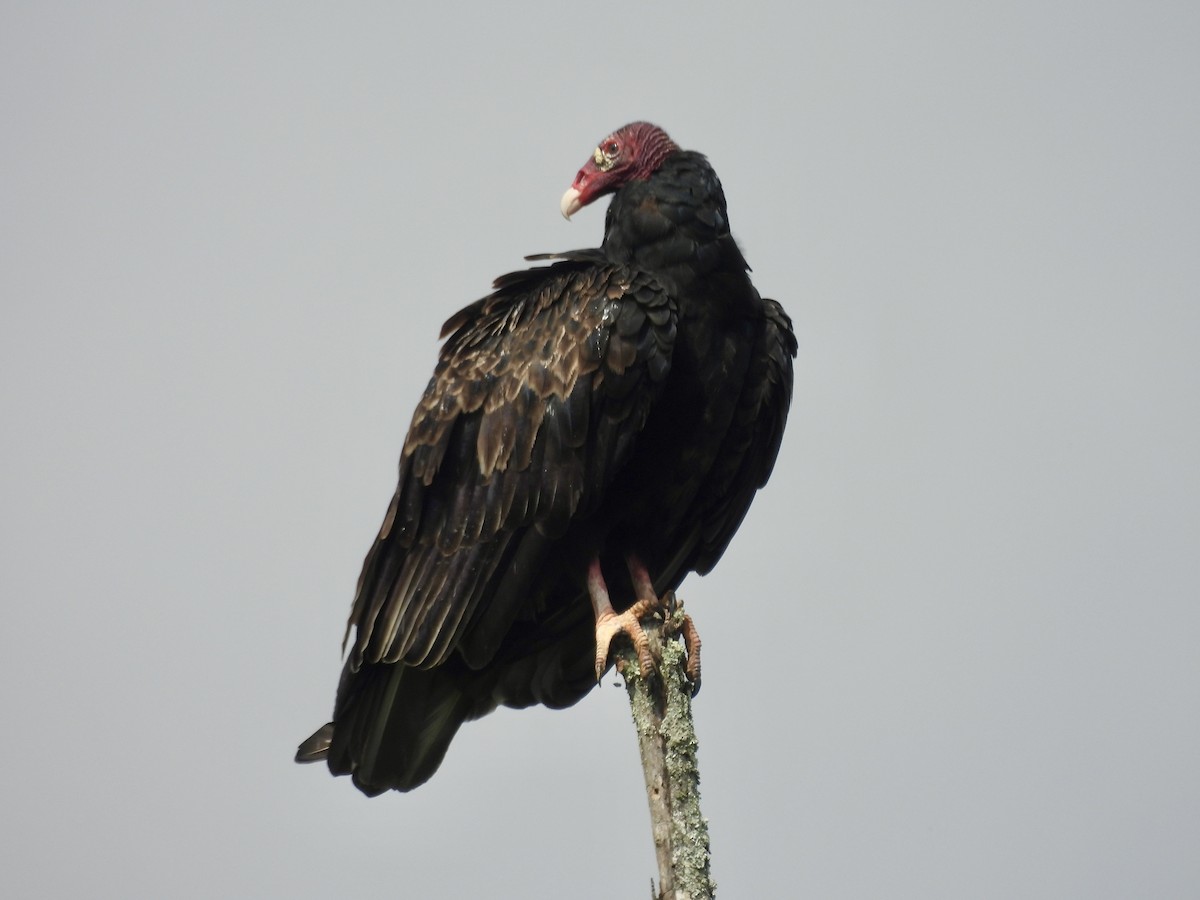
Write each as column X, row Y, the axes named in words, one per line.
column 953, row 651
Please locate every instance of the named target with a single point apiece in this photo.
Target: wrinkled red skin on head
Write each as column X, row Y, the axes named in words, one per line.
column 642, row 146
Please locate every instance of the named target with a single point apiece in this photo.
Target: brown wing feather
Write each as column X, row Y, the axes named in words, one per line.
column 752, row 443
column 537, row 398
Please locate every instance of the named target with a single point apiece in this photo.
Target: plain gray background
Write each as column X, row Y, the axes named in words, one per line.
column 952, row 652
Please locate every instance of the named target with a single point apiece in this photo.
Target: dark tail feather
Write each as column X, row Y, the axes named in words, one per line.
column 393, row 725
column 316, row 748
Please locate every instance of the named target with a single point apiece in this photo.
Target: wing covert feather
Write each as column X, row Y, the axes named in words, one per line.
column 537, row 399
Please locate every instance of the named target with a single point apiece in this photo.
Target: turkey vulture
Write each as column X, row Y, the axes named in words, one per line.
column 595, row 429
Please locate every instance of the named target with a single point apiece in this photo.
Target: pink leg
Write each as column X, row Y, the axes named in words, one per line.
column 609, row 624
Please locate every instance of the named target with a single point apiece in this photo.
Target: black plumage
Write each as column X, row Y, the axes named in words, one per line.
column 624, row 402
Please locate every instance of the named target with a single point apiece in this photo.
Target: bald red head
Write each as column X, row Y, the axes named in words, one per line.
column 628, row 154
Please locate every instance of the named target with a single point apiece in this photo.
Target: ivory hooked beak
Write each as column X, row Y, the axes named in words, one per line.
column 570, row 203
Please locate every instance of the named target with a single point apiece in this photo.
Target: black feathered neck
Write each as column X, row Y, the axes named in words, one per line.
column 673, row 224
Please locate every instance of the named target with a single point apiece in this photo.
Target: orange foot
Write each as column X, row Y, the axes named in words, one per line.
column 691, row 638
column 609, row 623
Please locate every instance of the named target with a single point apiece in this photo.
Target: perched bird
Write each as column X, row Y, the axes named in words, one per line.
column 595, row 430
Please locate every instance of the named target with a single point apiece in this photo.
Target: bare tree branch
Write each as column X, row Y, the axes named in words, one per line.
column 662, row 715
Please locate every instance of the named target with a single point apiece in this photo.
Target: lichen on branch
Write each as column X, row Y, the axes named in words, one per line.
column 662, row 714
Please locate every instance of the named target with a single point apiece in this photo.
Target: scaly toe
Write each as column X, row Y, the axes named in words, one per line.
column 608, row 626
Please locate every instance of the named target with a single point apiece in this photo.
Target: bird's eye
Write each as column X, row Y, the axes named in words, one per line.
column 606, row 155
